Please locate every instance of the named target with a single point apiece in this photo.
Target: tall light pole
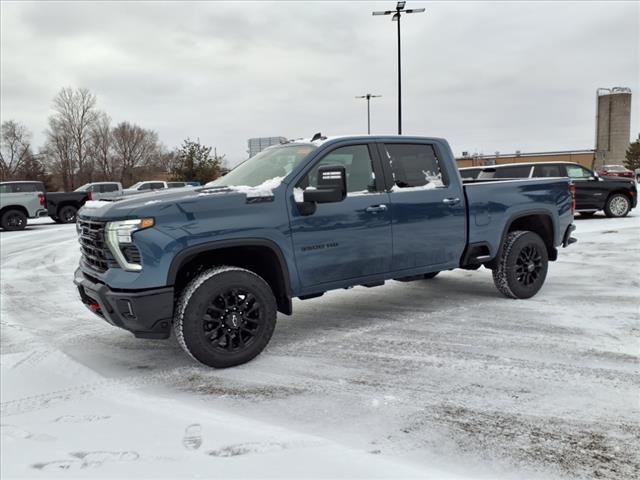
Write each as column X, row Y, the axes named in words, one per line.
column 397, row 13
column 369, row 96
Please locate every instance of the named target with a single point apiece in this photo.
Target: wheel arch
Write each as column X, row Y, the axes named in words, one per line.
column 260, row 256
column 536, row 221
column 20, row 208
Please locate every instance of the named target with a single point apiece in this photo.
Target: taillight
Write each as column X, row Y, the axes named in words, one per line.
column 89, row 196
column 572, row 189
column 41, row 198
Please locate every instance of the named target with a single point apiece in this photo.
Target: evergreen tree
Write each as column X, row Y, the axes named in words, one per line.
column 632, row 161
column 193, row 162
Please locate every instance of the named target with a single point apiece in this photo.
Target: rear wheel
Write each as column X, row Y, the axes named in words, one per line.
column 225, row 317
column 67, row 214
column 13, row 220
column 523, row 264
column 618, row 205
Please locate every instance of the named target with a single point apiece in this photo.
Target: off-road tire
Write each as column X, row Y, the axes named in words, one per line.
column 588, row 214
column 618, row 205
column 429, row 276
column 67, row 214
column 13, row 220
column 513, row 276
column 197, row 304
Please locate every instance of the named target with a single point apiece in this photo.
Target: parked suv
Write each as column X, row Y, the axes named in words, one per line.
column 215, row 264
column 20, row 201
column 615, row 196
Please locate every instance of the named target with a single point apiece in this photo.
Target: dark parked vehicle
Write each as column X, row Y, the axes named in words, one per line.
column 63, row 207
column 216, row 263
column 615, row 196
column 615, row 171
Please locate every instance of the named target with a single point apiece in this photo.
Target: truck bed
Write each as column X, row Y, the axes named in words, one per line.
column 494, row 204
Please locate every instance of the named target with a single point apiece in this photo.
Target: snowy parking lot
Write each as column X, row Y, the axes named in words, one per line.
column 439, row 378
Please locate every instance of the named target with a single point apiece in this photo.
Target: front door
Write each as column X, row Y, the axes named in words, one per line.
column 348, row 239
column 590, row 192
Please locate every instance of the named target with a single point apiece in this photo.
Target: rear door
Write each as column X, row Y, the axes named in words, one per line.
column 427, row 206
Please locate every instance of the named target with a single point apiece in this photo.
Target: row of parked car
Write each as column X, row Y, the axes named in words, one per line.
column 21, row 200
column 616, row 195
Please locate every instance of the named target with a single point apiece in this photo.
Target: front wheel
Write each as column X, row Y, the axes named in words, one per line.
column 225, row 317
column 523, row 265
column 13, row 220
column 618, row 205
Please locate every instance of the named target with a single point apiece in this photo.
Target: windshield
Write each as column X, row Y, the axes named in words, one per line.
column 135, row 185
column 275, row 162
column 615, row 168
column 83, row 188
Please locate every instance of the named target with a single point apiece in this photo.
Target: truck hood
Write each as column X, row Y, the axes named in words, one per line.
column 178, row 201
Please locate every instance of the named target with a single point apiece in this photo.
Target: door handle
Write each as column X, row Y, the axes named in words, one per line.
column 376, row 208
column 451, row 201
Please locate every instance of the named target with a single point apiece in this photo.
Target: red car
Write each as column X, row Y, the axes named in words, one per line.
column 615, row 171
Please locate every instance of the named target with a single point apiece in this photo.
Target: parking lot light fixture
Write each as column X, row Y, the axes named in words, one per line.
column 397, row 13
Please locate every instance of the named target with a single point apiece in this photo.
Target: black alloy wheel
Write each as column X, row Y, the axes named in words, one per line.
column 232, row 319
column 225, row 316
column 528, row 265
column 67, row 214
column 14, row 220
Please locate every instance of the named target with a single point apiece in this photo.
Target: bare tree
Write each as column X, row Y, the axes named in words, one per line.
column 136, row 150
column 101, row 148
column 14, row 148
column 69, row 132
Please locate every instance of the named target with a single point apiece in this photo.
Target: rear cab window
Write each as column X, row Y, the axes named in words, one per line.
column 519, row 171
column 414, row 166
column 549, row 171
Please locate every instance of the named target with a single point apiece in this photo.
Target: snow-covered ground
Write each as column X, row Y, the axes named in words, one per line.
column 431, row 379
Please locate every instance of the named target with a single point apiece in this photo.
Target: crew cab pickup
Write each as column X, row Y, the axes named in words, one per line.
column 216, row 263
column 20, row 201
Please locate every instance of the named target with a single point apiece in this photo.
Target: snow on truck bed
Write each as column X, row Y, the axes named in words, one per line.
column 432, row 379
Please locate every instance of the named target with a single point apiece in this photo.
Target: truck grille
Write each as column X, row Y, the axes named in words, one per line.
column 95, row 253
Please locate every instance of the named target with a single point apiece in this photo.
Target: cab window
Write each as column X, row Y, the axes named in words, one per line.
column 549, row 171
column 414, row 165
column 574, row 171
column 357, row 163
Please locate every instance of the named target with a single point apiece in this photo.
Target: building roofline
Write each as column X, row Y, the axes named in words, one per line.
column 527, row 154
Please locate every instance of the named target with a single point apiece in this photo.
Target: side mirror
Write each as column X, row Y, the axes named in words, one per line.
column 332, row 186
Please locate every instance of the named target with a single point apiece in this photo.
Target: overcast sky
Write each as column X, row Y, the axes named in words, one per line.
column 485, row 75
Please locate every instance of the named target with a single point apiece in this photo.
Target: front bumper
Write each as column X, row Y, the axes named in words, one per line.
column 146, row 313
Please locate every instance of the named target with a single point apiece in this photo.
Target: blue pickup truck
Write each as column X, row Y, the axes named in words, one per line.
column 215, row 264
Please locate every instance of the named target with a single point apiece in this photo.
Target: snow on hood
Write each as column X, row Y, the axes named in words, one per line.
column 265, row 189
column 89, row 204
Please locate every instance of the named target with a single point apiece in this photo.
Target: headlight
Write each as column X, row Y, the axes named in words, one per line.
column 119, row 233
